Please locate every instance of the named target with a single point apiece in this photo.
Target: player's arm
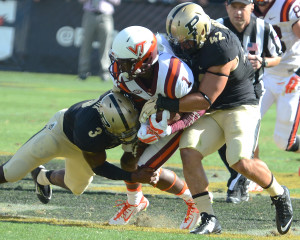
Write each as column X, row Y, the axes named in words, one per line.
column 101, row 167
column 296, row 28
column 211, row 86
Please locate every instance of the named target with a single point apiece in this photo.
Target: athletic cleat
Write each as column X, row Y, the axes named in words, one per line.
column 284, row 211
column 43, row 192
column 192, row 216
column 240, row 191
column 124, row 215
column 209, row 224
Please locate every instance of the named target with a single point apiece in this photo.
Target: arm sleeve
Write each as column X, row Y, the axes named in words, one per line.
column 111, row 171
column 187, row 120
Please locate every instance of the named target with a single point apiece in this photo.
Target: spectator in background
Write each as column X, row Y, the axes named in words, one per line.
column 263, row 49
column 97, row 24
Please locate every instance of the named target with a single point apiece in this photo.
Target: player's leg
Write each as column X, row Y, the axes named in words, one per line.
column 201, row 139
column 245, row 122
column 269, row 97
column 136, row 201
column 38, row 150
column 287, row 120
column 237, row 184
column 105, row 38
column 154, row 156
column 55, row 143
column 89, row 26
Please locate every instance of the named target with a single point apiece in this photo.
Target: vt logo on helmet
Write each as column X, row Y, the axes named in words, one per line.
column 139, row 49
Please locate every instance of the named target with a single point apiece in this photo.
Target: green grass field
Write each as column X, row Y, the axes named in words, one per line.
column 28, row 100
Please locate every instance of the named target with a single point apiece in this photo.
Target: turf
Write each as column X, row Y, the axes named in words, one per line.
column 29, row 100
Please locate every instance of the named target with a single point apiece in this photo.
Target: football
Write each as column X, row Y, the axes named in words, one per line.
column 174, row 117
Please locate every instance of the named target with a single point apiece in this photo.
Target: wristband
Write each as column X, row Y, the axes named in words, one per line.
column 111, row 171
column 206, row 98
column 166, row 103
column 264, row 63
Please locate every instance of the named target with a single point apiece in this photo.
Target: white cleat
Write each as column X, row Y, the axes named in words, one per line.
column 192, row 216
column 123, row 216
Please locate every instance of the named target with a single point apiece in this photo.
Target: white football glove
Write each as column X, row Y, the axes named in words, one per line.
column 146, row 135
column 161, row 128
column 148, row 109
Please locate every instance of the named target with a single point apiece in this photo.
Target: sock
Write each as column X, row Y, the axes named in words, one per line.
column 185, row 194
column 203, row 204
column 42, row 178
column 134, row 196
column 275, row 188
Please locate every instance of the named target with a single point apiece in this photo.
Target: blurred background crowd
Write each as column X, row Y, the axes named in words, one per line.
column 73, row 36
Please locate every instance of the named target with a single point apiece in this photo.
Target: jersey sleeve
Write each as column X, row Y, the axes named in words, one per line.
column 184, row 82
column 290, row 11
column 163, row 44
column 175, row 78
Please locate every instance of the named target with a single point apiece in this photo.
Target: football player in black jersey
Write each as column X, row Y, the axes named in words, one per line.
column 226, row 91
column 81, row 134
column 263, row 49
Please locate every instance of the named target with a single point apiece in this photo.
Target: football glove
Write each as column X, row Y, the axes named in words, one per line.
column 146, row 135
column 161, row 128
column 148, row 109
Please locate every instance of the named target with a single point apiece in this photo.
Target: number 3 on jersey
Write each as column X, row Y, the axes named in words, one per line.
column 96, row 132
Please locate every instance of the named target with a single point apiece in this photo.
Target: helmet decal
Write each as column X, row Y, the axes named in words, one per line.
column 191, row 25
column 138, row 48
column 119, row 111
column 119, row 116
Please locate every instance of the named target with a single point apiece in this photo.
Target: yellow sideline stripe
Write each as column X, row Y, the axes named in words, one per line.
column 75, row 223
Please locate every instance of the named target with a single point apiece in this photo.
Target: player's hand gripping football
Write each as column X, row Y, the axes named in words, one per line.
column 160, row 128
column 148, row 109
column 145, row 175
column 146, row 135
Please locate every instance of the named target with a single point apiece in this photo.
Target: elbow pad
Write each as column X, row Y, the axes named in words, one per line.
column 110, row 171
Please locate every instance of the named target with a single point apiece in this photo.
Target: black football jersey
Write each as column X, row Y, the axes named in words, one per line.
column 221, row 47
column 83, row 126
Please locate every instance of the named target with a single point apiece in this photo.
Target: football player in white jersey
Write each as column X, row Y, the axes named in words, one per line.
column 282, row 82
column 140, row 70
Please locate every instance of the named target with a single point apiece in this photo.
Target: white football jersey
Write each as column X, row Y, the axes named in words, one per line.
column 172, row 79
column 282, row 15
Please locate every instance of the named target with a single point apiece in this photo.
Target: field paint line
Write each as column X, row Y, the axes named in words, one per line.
column 73, row 223
column 8, row 208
